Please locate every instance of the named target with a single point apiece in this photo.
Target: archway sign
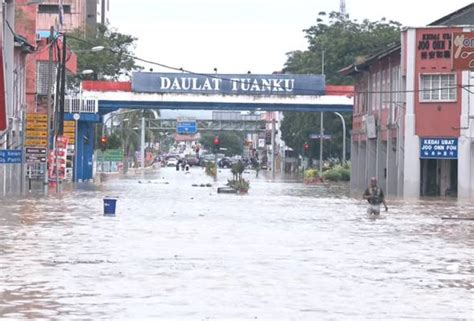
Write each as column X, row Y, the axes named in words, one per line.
column 273, row 92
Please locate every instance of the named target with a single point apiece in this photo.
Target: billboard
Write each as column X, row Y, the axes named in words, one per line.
column 463, row 50
column 236, row 84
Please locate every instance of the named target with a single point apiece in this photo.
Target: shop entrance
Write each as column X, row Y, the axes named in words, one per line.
column 439, row 177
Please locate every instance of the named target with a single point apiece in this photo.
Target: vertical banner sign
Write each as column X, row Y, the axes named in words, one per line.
column 463, row 51
column 3, row 103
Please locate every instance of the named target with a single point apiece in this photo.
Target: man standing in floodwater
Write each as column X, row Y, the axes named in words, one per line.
column 374, row 195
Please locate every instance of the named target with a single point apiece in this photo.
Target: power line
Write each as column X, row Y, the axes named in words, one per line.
column 213, row 76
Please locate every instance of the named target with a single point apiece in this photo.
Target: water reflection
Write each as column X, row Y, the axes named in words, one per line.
column 285, row 251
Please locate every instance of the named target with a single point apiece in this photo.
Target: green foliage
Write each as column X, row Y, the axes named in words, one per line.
column 296, row 128
column 310, row 173
column 337, row 173
column 211, row 169
column 111, row 63
column 114, row 141
column 343, row 41
column 233, row 141
column 241, row 185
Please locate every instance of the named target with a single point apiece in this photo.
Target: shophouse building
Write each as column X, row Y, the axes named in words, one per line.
column 413, row 118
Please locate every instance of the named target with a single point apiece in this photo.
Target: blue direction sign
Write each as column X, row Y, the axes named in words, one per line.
column 439, row 148
column 10, row 156
column 186, row 127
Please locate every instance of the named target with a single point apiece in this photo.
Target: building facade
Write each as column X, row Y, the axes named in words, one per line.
column 413, row 114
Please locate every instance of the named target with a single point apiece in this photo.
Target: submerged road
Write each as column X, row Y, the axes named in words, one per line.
column 285, row 251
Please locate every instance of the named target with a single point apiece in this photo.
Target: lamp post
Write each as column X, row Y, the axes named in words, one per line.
column 343, row 137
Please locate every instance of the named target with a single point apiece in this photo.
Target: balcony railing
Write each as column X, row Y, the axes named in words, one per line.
column 81, row 105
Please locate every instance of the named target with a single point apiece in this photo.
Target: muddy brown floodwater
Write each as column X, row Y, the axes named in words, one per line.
column 285, row 251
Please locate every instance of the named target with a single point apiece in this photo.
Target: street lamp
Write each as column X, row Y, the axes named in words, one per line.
column 343, row 137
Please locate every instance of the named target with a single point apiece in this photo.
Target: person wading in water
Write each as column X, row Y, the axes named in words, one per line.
column 374, row 195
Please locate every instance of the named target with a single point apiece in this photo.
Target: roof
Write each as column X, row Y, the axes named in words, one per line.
column 356, row 67
column 463, row 16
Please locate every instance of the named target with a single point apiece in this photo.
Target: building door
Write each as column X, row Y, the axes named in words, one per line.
column 439, row 177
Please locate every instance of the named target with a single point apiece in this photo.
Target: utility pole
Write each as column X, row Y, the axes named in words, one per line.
column 142, row 144
column 49, row 107
column 273, row 145
column 102, row 13
column 321, row 133
column 62, row 94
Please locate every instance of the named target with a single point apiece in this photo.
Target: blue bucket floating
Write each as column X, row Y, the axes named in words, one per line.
column 109, row 206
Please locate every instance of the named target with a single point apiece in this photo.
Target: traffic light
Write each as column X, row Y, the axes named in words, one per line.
column 216, row 143
column 103, row 142
column 306, row 147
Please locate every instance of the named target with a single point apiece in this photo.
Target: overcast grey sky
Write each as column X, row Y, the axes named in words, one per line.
column 236, row 36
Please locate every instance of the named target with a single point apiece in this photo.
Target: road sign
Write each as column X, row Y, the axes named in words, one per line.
column 35, row 155
column 76, row 116
column 110, row 155
column 186, row 127
column 318, row 136
column 10, row 156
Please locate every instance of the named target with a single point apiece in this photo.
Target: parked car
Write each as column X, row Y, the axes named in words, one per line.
column 172, row 161
column 206, row 158
column 191, row 160
column 225, row 163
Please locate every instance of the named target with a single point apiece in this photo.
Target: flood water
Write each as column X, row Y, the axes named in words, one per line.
column 285, row 251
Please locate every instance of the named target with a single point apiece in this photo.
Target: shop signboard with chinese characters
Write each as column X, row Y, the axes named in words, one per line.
column 463, row 51
column 434, row 45
column 438, row 148
column 57, row 159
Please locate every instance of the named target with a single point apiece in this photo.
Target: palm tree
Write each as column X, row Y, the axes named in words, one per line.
column 128, row 131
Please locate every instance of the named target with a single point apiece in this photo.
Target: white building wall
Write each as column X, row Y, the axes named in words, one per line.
column 411, row 179
column 466, row 141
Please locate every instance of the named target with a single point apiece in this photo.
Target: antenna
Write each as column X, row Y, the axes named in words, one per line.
column 342, row 8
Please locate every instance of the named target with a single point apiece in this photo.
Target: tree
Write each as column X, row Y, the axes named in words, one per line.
column 343, row 41
column 129, row 132
column 232, row 141
column 114, row 62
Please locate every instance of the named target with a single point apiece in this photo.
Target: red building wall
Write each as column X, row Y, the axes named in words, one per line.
column 433, row 56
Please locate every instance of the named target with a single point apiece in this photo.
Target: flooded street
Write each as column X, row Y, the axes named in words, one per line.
column 285, row 251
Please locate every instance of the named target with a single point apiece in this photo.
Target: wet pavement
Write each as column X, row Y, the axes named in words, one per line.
column 285, row 251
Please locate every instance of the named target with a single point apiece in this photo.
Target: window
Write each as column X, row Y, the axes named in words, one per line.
column 438, row 87
column 53, row 8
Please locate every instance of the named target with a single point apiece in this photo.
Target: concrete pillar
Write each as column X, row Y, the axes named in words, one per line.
column 371, row 160
column 411, row 177
column 382, row 165
column 466, row 142
column 355, row 164
column 392, row 168
column 465, row 168
column 363, row 176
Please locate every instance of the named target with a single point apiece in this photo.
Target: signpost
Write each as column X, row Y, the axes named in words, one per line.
column 36, row 155
column 318, row 136
column 10, row 156
column 110, row 155
column 439, row 148
column 36, row 130
column 184, row 126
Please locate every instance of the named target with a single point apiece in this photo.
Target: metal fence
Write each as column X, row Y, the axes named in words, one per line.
column 79, row 105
